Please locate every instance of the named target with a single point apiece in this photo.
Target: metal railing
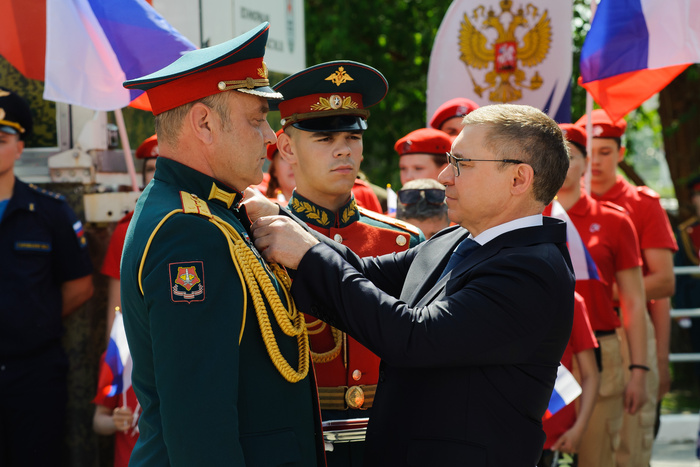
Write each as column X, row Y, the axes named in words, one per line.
column 685, row 313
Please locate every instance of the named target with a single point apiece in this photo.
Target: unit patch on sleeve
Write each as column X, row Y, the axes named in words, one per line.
column 187, row 282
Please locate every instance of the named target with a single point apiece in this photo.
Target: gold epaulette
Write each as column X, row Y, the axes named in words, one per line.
column 192, row 204
column 412, row 229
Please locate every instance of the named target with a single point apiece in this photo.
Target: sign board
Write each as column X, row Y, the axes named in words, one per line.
column 211, row 22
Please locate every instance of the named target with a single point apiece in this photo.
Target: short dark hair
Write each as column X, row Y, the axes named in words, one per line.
column 421, row 210
column 528, row 134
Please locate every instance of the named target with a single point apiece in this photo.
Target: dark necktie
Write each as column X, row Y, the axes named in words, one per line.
column 464, row 249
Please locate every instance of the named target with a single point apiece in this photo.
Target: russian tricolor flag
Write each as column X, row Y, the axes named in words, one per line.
column 117, row 360
column 582, row 261
column 635, row 48
column 93, row 46
column 566, row 390
column 391, row 201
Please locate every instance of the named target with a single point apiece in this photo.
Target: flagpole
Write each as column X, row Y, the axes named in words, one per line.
column 589, row 124
column 127, row 149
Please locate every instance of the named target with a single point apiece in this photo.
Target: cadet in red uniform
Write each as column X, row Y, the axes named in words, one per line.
column 657, row 246
column 609, row 235
column 565, row 428
column 422, row 154
column 324, row 115
column 448, row 117
column 148, row 152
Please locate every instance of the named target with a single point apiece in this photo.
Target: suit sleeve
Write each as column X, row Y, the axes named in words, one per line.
column 386, row 272
column 497, row 314
column 195, row 344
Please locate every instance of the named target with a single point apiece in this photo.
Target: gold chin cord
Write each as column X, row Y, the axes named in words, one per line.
column 253, row 274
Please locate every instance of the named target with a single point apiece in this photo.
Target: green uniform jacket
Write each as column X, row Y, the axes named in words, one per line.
column 206, row 399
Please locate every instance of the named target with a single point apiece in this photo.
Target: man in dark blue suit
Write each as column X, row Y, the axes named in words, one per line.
column 469, row 350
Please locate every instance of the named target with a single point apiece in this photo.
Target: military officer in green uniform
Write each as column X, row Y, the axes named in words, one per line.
column 221, row 356
column 324, row 115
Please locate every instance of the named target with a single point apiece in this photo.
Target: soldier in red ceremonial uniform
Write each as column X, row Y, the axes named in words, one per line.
column 657, row 246
column 608, row 234
column 324, row 114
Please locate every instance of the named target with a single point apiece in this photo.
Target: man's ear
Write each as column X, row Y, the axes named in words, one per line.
column 200, row 121
column 621, row 154
column 523, row 178
column 286, row 147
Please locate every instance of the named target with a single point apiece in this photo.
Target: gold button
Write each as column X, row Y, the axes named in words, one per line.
column 356, row 375
column 400, row 240
column 355, row 397
column 338, row 238
column 221, row 86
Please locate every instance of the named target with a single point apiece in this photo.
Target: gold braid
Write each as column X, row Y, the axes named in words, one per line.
column 332, row 354
column 255, row 276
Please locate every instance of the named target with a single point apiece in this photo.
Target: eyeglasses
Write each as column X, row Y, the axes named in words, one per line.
column 413, row 195
column 454, row 161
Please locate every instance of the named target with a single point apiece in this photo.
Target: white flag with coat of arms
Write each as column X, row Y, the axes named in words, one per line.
column 504, row 52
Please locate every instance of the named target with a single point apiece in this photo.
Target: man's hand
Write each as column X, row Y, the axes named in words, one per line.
column 257, row 205
column 281, row 240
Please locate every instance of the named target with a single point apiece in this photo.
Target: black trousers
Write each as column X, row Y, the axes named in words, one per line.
column 33, row 397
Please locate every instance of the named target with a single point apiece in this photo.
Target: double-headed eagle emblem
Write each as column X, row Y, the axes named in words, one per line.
column 506, row 80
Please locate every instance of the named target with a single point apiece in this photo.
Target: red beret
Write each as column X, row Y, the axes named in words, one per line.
column 574, row 133
column 603, row 126
column 272, row 148
column 457, row 107
column 424, row 141
column 148, row 149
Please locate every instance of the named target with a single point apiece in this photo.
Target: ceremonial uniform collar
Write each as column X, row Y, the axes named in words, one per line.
column 197, row 183
column 318, row 216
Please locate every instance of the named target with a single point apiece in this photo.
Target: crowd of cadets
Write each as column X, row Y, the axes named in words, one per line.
column 620, row 340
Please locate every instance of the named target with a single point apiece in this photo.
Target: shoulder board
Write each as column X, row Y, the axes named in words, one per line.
column 688, row 223
column 609, row 204
column 390, row 220
column 192, row 204
column 646, row 191
column 46, row 192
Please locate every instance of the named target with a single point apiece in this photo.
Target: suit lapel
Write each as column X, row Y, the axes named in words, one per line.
column 425, row 270
column 553, row 231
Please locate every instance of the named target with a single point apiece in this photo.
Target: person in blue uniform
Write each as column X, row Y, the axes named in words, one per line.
column 221, row 355
column 469, row 349
column 324, row 116
column 46, row 274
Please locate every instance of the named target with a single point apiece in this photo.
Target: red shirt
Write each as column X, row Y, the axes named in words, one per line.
column 581, row 339
column 113, row 257
column 649, row 218
column 610, row 238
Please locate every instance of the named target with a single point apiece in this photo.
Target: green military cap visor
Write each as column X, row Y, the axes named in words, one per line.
column 236, row 64
column 332, row 96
